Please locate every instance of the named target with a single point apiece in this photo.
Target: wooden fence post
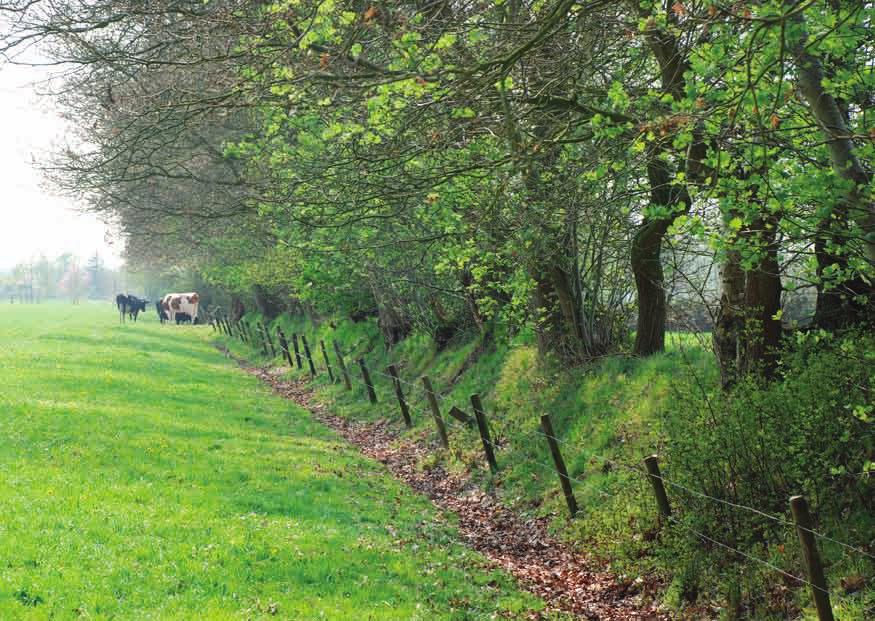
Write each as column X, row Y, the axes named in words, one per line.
column 269, row 340
column 342, row 365
column 327, row 361
column 402, row 404
column 261, row 339
column 564, row 479
column 436, row 411
column 652, row 465
column 366, row 376
column 297, row 351
column 813, row 564
column 228, row 325
column 284, row 345
column 309, row 355
column 483, row 427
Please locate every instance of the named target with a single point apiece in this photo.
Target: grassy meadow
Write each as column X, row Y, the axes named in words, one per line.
column 144, row 476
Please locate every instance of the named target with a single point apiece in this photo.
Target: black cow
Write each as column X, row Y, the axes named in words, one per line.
column 129, row 305
column 121, row 301
column 182, row 318
column 136, row 306
column 162, row 314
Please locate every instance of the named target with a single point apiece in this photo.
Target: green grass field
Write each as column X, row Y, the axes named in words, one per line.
column 144, row 476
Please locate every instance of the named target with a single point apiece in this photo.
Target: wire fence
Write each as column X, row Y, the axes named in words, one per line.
column 801, row 522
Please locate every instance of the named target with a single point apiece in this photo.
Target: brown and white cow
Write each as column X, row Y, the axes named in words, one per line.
column 174, row 303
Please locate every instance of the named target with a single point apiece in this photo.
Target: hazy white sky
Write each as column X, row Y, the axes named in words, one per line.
column 32, row 219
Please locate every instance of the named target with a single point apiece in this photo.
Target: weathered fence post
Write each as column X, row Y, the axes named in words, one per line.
column 436, row 411
column 269, row 340
column 402, row 404
column 813, row 564
column 342, row 365
column 366, row 376
column 284, row 345
column 261, row 338
column 297, row 351
column 652, row 465
column 327, row 361
column 228, row 325
column 564, row 479
column 483, row 427
column 309, row 355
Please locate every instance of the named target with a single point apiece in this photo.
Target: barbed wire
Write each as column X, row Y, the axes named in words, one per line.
column 751, row 557
column 734, row 505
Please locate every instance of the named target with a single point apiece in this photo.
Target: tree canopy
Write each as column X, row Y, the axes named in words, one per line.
column 582, row 168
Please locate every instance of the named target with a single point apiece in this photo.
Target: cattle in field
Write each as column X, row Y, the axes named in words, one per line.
column 182, row 318
column 136, row 306
column 162, row 314
column 187, row 303
column 129, row 305
column 121, row 302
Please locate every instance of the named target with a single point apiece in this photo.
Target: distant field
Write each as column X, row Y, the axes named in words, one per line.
column 143, row 476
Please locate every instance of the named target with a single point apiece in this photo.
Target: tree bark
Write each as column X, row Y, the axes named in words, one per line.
column 728, row 323
column 844, row 304
column 650, row 284
column 842, row 152
column 238, row 309
column 761, row 336
column 268, row 304
column 646, row 255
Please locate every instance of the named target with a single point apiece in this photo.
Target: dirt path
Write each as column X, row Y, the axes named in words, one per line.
column 567, row 580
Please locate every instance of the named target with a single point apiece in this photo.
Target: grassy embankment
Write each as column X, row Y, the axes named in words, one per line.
column 618, row 410
column 142, row 475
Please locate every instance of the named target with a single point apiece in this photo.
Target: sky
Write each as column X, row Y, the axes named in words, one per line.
column 33, row 220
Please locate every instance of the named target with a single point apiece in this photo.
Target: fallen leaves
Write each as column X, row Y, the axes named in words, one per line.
column 568, row 580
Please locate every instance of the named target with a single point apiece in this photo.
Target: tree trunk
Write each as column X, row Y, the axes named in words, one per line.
column 548, row 316
column 647, row 245
column 238, row 309
column 268, row 304
column 650, row 283
column 727, row 325
column 394, row 325
column 761, row 336
column 842, row 151
column 844, row 304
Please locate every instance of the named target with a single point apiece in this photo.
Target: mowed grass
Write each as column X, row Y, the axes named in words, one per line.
column 144, row 476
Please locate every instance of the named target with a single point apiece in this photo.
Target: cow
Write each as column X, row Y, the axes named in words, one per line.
column 136, row 306
column 121, row 301
column 187, row 303
column 162, row 314
column 129, row 305
column 182, row 318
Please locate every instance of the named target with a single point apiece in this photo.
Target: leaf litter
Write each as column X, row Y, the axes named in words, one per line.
column 568, row 580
